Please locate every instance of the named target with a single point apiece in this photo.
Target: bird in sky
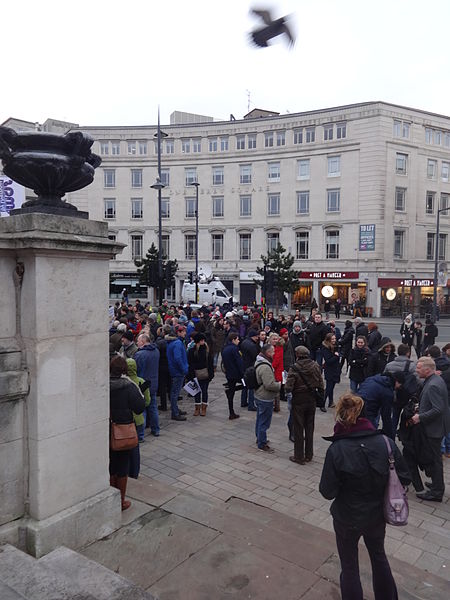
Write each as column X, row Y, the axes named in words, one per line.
column 272, row 28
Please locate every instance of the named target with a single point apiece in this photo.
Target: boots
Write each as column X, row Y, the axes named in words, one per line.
column 197, row 410
column 203, row 410
column 121, row 484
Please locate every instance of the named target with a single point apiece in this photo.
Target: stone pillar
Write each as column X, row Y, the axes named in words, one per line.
column 62, row 325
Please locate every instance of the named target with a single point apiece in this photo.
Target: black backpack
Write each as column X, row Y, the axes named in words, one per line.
column 250, row 376
column 410, row 390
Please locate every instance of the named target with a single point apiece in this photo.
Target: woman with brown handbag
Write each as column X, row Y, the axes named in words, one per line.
column 124, row 400
column 201, row 366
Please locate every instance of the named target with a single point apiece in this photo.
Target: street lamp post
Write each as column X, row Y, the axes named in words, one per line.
column 158, row 185
column 436, row 261
column 196, row 184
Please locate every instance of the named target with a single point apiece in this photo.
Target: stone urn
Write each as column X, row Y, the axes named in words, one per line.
column 50, row 165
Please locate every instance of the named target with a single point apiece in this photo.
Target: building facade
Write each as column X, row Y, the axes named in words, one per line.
column 350, row 191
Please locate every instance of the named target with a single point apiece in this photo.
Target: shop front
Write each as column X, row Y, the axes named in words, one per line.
column 129, row 281
column 401, row 296
column 247, row 287
column 331, row 285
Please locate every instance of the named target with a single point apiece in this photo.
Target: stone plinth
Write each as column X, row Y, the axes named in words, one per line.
column 54, row 437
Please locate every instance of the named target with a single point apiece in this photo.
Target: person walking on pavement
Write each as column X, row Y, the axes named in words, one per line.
column 337, row 308
column 429, row 335
column 332, row 368
column 346, row 343
column 361, row 328
column 315, row 336
column 201, row 366
column 355, row 475
column 178, row 368
column 407, row 332
column 303, row 379
column 250, row 349
column 265, row 394
column 234, row 370
column 358, row 360
column 147, row 363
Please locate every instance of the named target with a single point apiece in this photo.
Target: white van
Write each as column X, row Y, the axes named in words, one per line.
column 210, row 292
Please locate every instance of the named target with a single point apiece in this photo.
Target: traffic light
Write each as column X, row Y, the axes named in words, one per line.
column 152, row 274
column 191, row 277
column 169, row 273
column 271, row 280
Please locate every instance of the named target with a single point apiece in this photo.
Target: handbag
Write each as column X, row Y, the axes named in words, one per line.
column 201, row 374
column 123, row 436
column 395, row 503
column 318, row 396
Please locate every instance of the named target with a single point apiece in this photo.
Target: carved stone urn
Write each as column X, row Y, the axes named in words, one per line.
column 50, row 165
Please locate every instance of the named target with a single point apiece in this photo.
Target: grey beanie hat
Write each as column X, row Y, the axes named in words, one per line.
column 302, row 351
column 153, row 316
column 297, row 324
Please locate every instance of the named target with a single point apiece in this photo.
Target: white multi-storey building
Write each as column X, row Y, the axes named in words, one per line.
column 350, row 191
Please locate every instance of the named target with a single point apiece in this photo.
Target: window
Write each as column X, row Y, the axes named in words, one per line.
column 400, row 199
column 104, row 148
column 444, row 203
column 245, row 173
column 185, row 146
column 399, row 242
column 429, row 203
column 430, row 246
column 190, row 175
column 437, row 137
column 217, row 206
column 298, row 136
column 165, row 177
column 115, row 148
column 245, row 203
column 131, row 147
column 251, row 141
column 401, row 162
column 303, row 168
column 274, row 171
column 334, row 166
column 170, row 146
column 142, row 147
column 217, row 246
column 136, row 247
column 136, row 178
column 445, row 170
column 431, row 168
column 281, row 138
column 310, row 134
column 189, row 246
column 240, row 142
column 428, row 135
column 110, row 208
column 332, row 244
column 341, row 131
column 190, row 207
column 442, row 246
column 333, row 200
column 196, row 145
column 401, row 128
column 273, row 241
column 431, row 249
column 302, row 203
column 165, row 248
column 217, row 175
column 212, row 142
column 223, row 144
column 165, row 208
column 136, row 208
column 302, row 244
column 268, row 139
column 447, row 139
column 273, row 207
column 245, row 246
column 405, row 129
column 109, row 178
column 328, row 132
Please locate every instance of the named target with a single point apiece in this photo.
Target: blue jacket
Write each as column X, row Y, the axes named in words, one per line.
column 176, row 356
column 147, row 363
column 377, row 390
column 232, row 362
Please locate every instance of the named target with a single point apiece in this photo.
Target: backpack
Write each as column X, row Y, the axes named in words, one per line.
column 410, row 390
column 250, row 376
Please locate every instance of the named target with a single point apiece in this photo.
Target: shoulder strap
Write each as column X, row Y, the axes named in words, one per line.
column 389, row 449
column 303, row 378
column 406, row 369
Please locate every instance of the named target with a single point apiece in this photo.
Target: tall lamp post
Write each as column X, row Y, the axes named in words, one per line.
column 158, row 185
column 196, row 184
column 436, row 261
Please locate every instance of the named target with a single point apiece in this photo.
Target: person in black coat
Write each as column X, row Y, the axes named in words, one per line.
column 418, row 333
column 315, row 335
column 358, row 360
column 361, row 328
column 250, row 349
column 234, row 370
column 201, row 365
column 332, row 367
column 346, row 343
column 379, row 360
column 429, row 335
column 355, row 475
column 298, row 335
column 374, row 339
column 125, row 399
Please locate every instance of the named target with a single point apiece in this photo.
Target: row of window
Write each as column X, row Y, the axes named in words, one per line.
column 218, row 177
column 401, row 167
column 247, row 141
column 430, row 201
column 437, row 137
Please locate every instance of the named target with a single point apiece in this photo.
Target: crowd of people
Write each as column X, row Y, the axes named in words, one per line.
column 297, row 359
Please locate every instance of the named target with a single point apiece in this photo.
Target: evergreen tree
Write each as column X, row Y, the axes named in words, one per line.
column 284, row 279
column 148, row 270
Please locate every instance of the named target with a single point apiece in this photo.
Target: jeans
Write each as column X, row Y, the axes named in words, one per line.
column 248, row 398
column 202, row 397
column 354, row 385
column 445, row 446
column 141, row 429
column 316, row 354
column 263, row 419
column 329, row 390
column 177, row 384
column 151, row 413
column 347, row 538
column 374, row 409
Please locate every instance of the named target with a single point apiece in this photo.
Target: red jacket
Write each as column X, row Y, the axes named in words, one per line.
column 277, row 363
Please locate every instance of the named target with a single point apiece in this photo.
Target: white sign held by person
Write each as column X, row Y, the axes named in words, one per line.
column 192, row 387
column 12, row 195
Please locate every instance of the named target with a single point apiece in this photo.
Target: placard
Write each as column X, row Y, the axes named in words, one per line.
column 366, row 238
column 12, row 195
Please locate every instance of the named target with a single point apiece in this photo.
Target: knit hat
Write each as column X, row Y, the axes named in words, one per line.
column 252, row 333
column 122, row 327
column 198, row 337
column 128, row 335
column 240, row 312
column 244, row 307
column 269, row 324
column 283, row 331
column 302, row 351
column 179, row 328
column 229, row 315
column 153, row 316
column 297, row 324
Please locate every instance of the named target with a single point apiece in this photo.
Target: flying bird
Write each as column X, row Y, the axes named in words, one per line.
column 272, row 28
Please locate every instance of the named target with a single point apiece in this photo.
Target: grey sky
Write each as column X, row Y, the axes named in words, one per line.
column 123, row 58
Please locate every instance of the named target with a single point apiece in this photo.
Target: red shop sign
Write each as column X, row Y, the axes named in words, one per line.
column 329, row 275
column 393, row 282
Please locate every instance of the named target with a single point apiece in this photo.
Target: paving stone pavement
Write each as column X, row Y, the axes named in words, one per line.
column 219, row 458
